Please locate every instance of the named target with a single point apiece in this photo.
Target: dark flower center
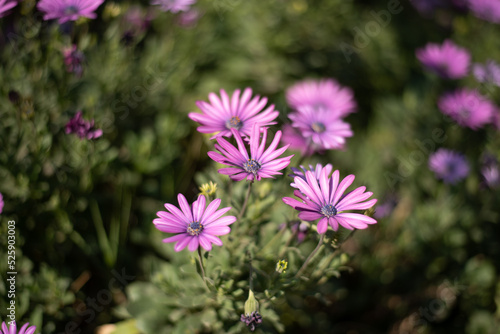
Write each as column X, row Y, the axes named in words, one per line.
column 318, row 127
column 71, row 10
column 194, row 228
column 251, row 166
column 329, row 210
column 234, row 123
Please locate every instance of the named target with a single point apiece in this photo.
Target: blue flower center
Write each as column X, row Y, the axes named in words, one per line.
column 71, row 10
column 318, row 127
column 194, row 228
column 251, row 166
column 234, row 123
column 329, row 210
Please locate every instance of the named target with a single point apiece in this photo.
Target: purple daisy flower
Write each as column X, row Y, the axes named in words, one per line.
column 68, row 10
column 174, row 6
column 323, row 129
column 82, row 128
column 447, row 60
column 12, row 329
column 489, row 72
column 221, row 114
column 1, row 203
column 448, row 165
column 488, row 10
column 5, row 5
column 260, row 163
column 322, row 94
column 194, row 227
column 468, row 108
column 326, row 201
column 316, row 171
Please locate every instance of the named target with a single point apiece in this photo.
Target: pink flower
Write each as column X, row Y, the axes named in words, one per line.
column 221, row 114
column 447, row 60
column 194, row 227
column 448, row 165
column 13, row 329
column 488, row 10
column 74, row 59
column 174, row 6
column 468, row 108
column 293, row 137
column 262, row 163
column 1, row 203
column 325, row 94
column 82, row 128
column 5, row 5
column 325, row 200
column 68, row 10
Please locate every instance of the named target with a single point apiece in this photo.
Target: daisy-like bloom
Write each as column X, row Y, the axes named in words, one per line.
column 262, row 162
column 468, row 108
column 12, row 329
column 223, row 114
column 316, row 171
column 1, row 203
column 447, row 60
column 489, row 72
column 194, row 227
column 5, row 5
column 174, row 6
column 68, row 10
column 448, row 165
column 322, row 94
column 325, row 200
column 488, row 10
column 323, row 129
column 82, row 128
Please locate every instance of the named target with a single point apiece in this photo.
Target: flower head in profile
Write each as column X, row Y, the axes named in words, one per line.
column 222, row 114
column 315, row 170
column 174, row 6
column 12, row 329
column 5, row 5
column 196, row 226
column 74, row 59
column 448, row 165
column 261, row 163
column 488, row 73
column 321, row 128
column 447, row 60
column 325, row 200
column 68, row 10
column 1, row 203
column 468, row 108
column 322, row 94
column 82, row 128
column 488, row 10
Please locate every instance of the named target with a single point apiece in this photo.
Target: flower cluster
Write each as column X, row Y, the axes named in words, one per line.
column 82, row 128
column 317, row 120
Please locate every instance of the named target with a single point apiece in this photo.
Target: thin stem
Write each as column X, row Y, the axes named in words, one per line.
column 306, row 262
column 202, row 268
column 246, row 200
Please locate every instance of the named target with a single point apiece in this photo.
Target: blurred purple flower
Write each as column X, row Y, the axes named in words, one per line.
column 74, row 60
column 488, row 10
column 448, row 165
column 222, row 115
column 385, row 209
column 294, row 138
column 194, row 227
column 427, row 7
column 316, row 171
column 489, row 72
column 251, row 320
column 82, row 128
column 322, row 129
column 173, row 6
column 447, row 60
column 468, row 108
column 260, row 163
column 326, row 201
column 68, row 10
column 325, row 94
column 5, row 5
column 190, row 18
column 137, row 20
column 1, row 203
column 12, row 329
column 491, row 171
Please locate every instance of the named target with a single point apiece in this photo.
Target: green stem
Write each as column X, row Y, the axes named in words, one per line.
column 246, row 201
column 202, row 269
column 306, row 262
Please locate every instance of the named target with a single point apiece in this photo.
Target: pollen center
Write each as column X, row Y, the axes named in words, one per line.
column 251, row 166
column 194, row 228
column 329, row 210
column 318, row 127
column 234, row 123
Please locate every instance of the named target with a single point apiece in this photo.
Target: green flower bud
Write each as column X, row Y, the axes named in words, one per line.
column 251, row 305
